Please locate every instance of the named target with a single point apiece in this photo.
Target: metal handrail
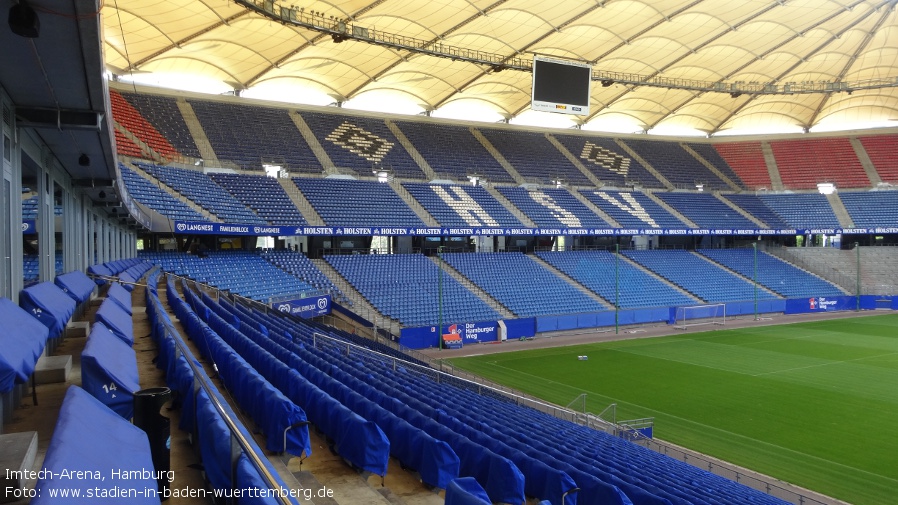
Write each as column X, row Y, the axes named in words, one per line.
column 519, row 398
column 594, row 421
column 201, row 380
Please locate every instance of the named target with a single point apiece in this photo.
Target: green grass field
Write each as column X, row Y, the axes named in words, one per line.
column 815, row 404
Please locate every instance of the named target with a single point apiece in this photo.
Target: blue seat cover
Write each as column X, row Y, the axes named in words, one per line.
column 92, row 439
column 49, row 304
column 20, row 345
column 109, row 370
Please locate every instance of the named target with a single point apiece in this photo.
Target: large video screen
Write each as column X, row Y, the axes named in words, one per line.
column 561, row 86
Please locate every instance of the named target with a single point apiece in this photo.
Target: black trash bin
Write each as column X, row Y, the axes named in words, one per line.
column 147, row 416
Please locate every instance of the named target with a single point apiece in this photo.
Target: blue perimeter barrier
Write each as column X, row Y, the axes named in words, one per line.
column 426, row 337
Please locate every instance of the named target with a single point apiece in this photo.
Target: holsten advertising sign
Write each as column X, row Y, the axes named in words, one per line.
column 305, row 307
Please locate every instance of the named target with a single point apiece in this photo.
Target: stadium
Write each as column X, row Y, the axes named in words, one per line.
column 614, row 252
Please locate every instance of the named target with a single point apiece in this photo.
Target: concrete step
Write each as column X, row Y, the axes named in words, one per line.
column 175, row 194
column 77, row 329
column 309, row 136
column 413, row 204
column 865, row 160
column 772, row 169
column 496, row 154
column 302, row 204
column 198, row 134
column 360, row 304
column 840, row 211
column 17, row 454
column 52, row 369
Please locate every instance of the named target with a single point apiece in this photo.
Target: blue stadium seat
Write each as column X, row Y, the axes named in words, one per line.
column 273, row 135
column 802, row 210
column 533, row 156
column 755, row 206
column 453, row 151
column 632, row 209
column 773, row 273
column 706, row 211
column 552, row 455
column 552, row 208
column 607, row 160
column 871, row 209
column 678, row 166
column 163, row 113
column 263, row 195
column 698, row 276
column 298, row 265
column 361, row 143
column 537, row 292
column 156, row 198
column 712, row 156
column 462, row 206
column 406, row 287
column 634, row 288
column 239, row 272
column 198, row 187
column 342, row 202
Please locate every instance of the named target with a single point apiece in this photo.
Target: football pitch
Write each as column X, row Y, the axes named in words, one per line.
column 814, row 404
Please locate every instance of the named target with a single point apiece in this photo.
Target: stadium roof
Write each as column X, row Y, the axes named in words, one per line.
column 712, row 66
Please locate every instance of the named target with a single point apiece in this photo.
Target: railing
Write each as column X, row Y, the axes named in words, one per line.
column 480, row 385
column 239, row 442
column 386, row 330
column 441, row 372
column 773, row 487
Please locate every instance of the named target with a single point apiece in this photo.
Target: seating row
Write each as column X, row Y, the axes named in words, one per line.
column 224, row 469
column 552, row 455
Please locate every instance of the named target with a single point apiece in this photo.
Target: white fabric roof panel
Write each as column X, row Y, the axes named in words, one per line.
column 754, row 42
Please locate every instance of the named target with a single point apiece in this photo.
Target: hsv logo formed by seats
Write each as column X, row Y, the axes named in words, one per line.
column 606, row 158
column 465, row 206
column 360, row 141
column 628, row 205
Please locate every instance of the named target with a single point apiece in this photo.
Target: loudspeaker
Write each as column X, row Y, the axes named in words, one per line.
column 23, row 21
